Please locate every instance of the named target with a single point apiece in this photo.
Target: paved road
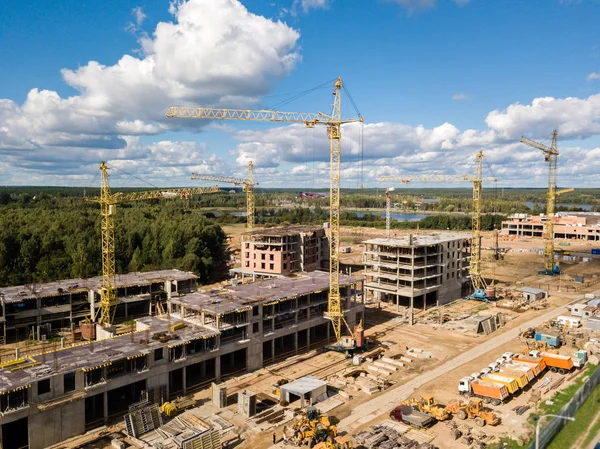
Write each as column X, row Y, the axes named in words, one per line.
column 384, row 403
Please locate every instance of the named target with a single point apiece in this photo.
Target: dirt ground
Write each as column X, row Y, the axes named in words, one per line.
column 385, row 324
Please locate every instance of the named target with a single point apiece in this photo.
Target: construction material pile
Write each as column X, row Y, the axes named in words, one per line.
column 384, row 437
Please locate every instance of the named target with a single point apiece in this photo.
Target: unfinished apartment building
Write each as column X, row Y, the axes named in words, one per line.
column 38, row 310
column 282, row 251
column 421, row 271
column 567, row 225
column 206, row 338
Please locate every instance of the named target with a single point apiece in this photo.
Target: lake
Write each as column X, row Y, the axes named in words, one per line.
column 395, row 216
column 529, row 204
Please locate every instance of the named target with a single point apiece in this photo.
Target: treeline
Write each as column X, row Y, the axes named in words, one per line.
column 54, row 238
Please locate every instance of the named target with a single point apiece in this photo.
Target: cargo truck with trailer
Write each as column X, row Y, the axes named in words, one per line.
column 555, row 362
column 488, row 391
column 523, row 367
column 537, row 363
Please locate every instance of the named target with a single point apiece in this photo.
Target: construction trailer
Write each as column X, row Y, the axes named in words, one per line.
column 206, row 337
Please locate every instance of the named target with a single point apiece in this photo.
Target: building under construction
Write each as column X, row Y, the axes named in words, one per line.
column 282, row 251
column 207, row 337
column 37, row 310
column 421, row 271
column 567, row 225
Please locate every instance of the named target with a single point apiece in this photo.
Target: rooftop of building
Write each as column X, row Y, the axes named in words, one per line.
column 420, row 239
column 23, row 292
column 283, row 231
column 100, row 353
column 244, row 296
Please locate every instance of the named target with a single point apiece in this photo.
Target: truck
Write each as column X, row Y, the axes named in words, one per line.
column 523, row 367
column 488, row 391
column 579, row 358
column 519, row 376
column 537, row 363
column 556, row 362
column 407, row 415
column 552, row 339
column 511, row 384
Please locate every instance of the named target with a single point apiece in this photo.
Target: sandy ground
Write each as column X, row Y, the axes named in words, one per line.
column 384, row 324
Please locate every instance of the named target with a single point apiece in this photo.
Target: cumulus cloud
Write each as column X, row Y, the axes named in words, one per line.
column 194, row 60
column 593, row 76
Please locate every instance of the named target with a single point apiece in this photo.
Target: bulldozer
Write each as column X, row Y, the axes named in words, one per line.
column 474, row 409
column 312, row 429
column 427, row 405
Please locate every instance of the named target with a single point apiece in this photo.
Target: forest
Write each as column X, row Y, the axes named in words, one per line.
column 59, row 238
column 49, row 233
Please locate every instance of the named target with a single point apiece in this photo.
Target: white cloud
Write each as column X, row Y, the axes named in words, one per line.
column 215, row 52
column 460, row 97
column 139, row 15
column 593, row 76
column 307, row 5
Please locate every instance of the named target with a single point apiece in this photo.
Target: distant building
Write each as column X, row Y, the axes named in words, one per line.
column 283, row 251
column 425, row 270
column 568, row 225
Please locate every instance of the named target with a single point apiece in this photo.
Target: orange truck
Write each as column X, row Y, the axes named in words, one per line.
column 537, row 363
column 557, row 363
column 488, row 391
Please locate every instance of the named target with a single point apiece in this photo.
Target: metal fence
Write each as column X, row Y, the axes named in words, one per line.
column 548, row 433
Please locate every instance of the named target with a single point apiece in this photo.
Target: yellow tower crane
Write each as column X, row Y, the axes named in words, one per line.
column 108, row 207
column 248, row 187
column 480, row 286
column 333, row 123
column 388, row 210
column 550, row 156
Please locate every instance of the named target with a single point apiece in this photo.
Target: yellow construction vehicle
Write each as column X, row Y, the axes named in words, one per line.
column 312, row 429
column 427, row 405
column 339, row 443
column 474, row 409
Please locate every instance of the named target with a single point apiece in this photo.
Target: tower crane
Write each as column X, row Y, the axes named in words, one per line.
column 550, row 156
column 247, row 185
column 480, row 286
column 108, row 207
column 333, row 124
column 388, row 207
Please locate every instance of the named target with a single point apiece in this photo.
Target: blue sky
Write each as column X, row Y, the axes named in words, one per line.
column 86, row 81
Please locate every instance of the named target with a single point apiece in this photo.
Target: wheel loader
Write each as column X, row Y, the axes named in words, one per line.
column 474, row 409
column 312, row 429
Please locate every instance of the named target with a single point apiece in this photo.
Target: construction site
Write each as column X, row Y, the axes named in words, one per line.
column 421, row 340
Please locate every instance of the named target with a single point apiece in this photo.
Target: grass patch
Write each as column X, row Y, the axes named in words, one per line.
column 583, row 418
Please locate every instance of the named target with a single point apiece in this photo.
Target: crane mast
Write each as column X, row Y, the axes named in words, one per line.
column 388, row 207
column 247, row 185
column 108, row 204
column 334, row 124
column 551, row 157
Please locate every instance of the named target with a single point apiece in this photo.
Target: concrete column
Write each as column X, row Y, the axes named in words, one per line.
column 296, row 342
column 308, row 338
column 126, row 310
column 184, row 378
column 105, row 399
column 218, row 368
column 273, row 349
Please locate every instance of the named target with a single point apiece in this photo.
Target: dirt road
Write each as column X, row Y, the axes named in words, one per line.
column 384, row 403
